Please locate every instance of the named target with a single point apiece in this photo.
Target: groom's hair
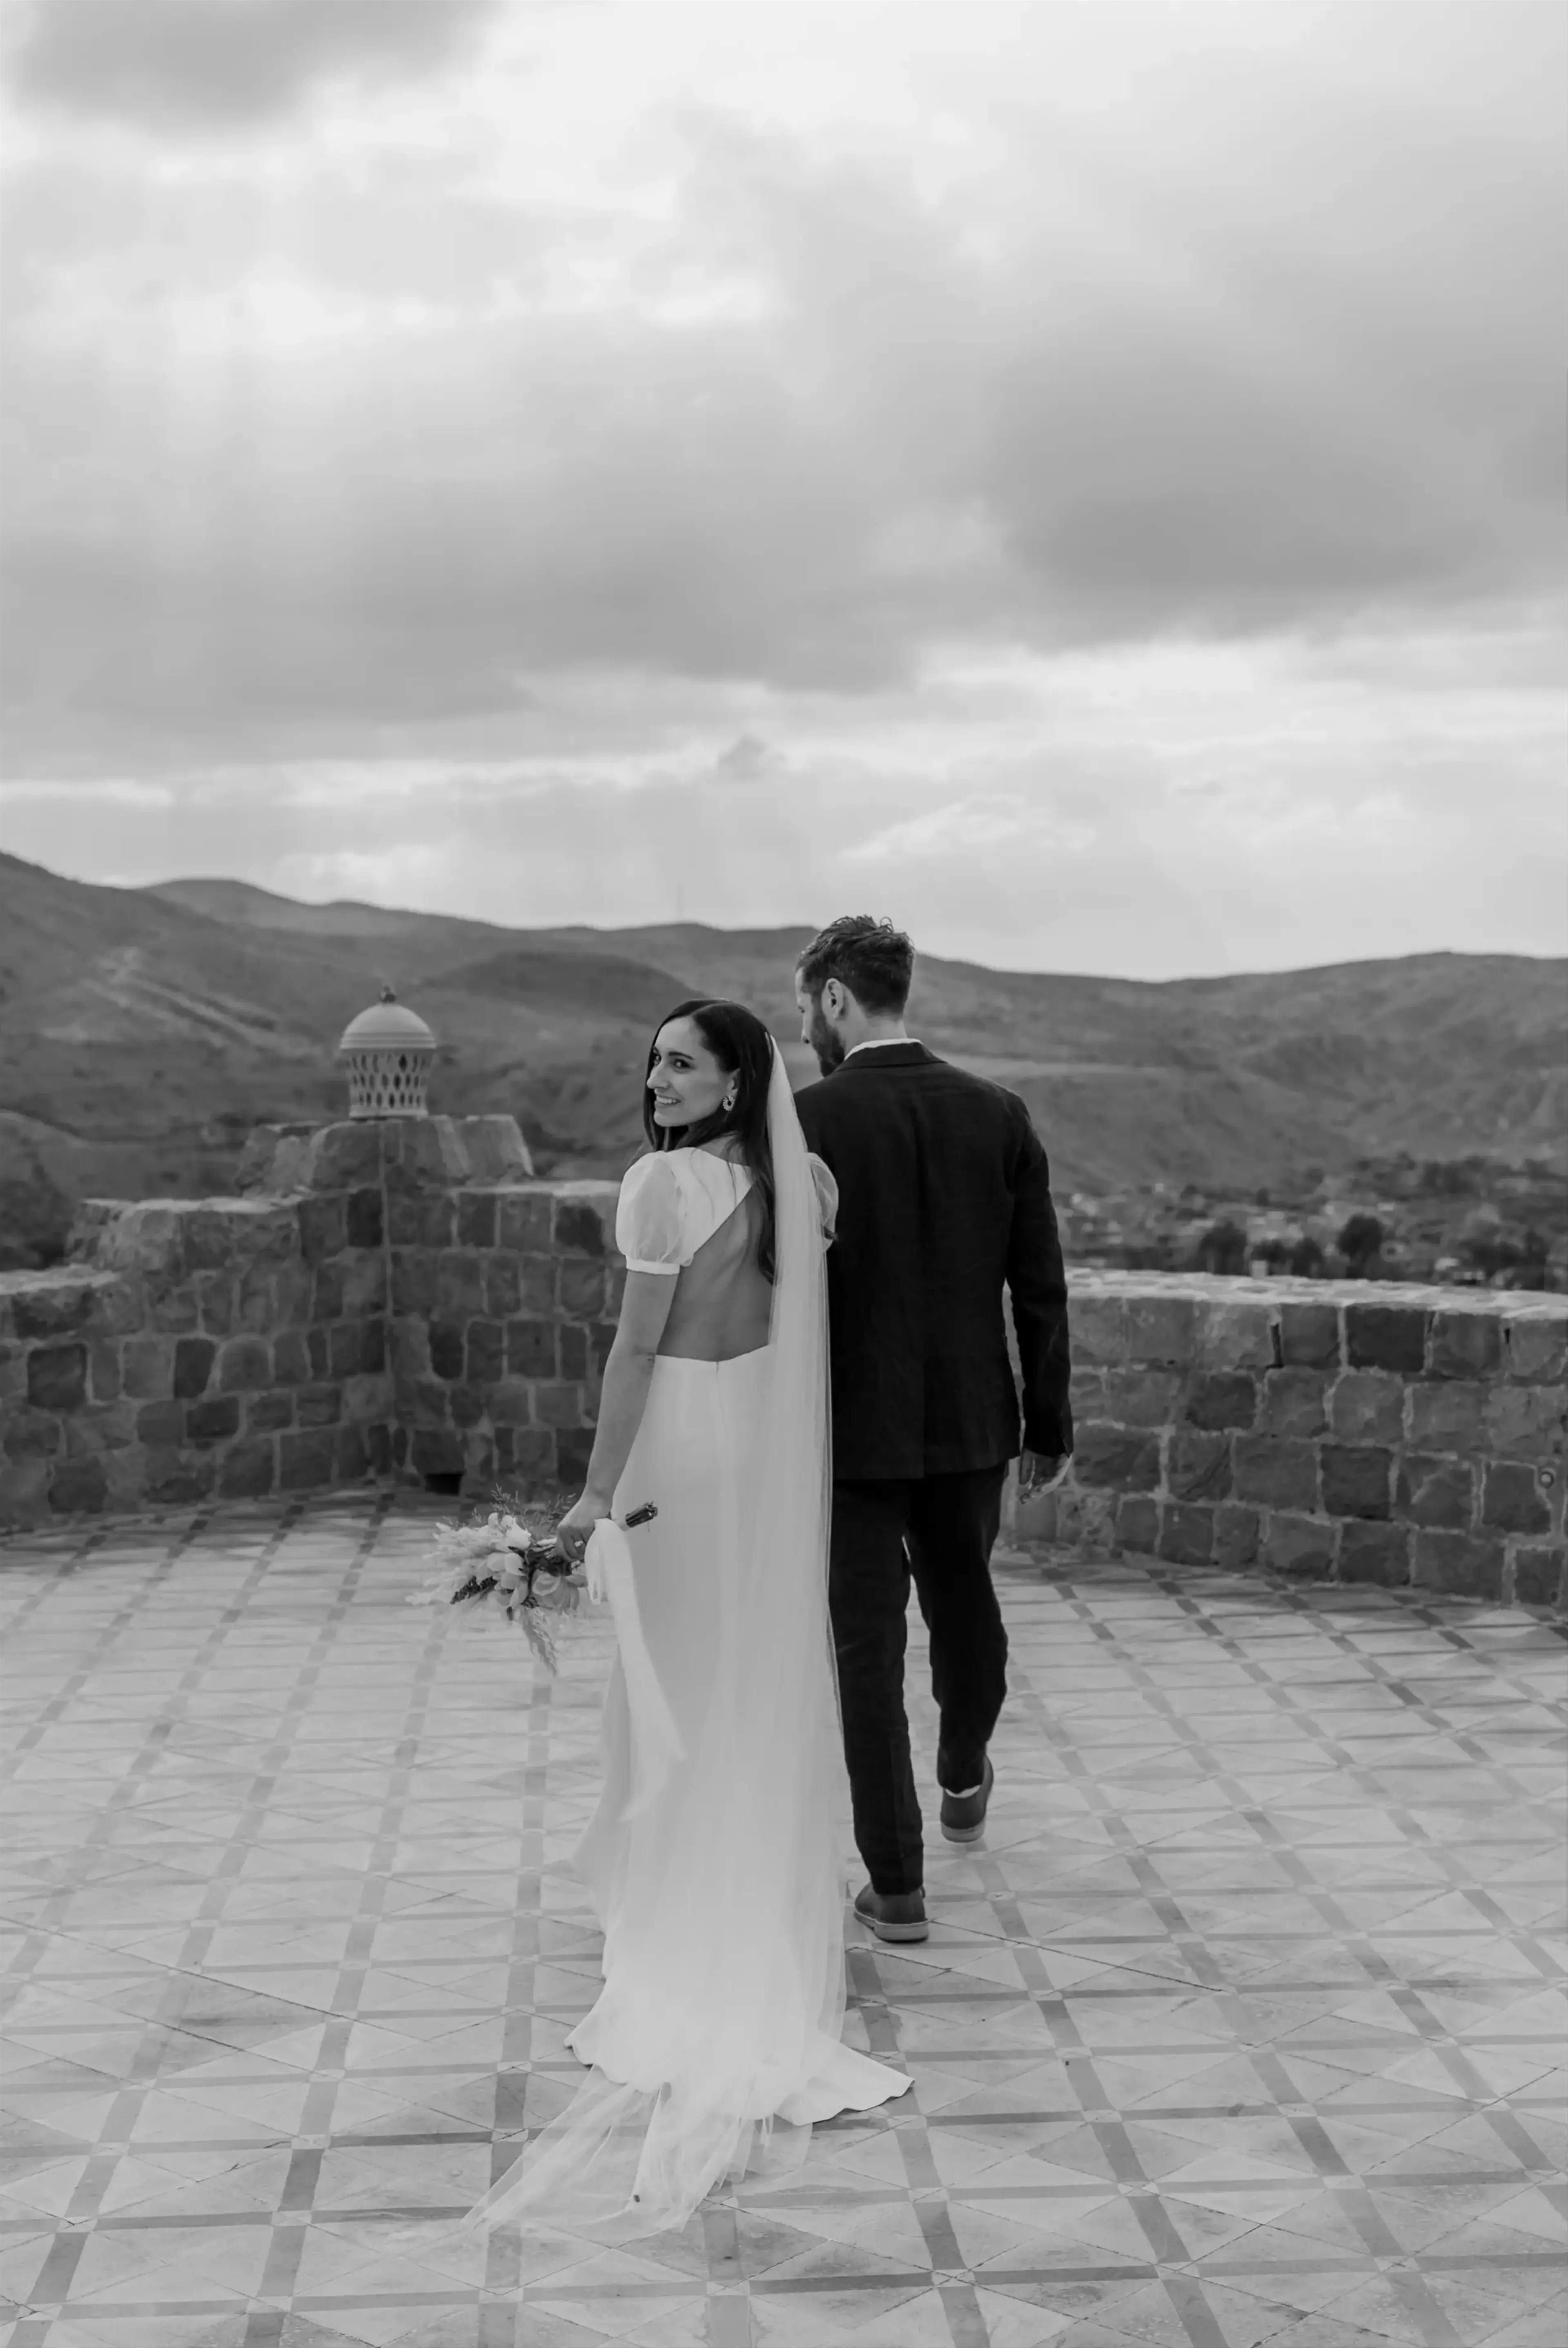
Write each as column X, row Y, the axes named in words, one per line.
column 871, row 958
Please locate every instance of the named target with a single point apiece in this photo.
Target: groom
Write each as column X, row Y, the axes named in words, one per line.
column 944, row 1196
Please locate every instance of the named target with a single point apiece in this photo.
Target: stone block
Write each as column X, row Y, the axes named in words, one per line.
column 531, row 1349
column 503, row 1287
column 1465, row 1345
column 161, row 1426
column 329, row 1283
column 573, row 1452
column 373, row 1344
column 1446, row 1415
column 427, row 1402
column 13, row 1373
column 421, row 1219
column 573, row 1347
column 1309, row 1335
column 1127, row 1457
column 319, row 1406
column 58, row 1377
column 378, row 1448
column 496, row 1150
column 1386, row 1337
column 1375, row 1553
column 579, row 1227
column 24, row 1491
column 245, row 1365
column 1236, row 1533
column 173, row 1478
column 423, row 1153
column 536, row 1463
column 247, row 1472
column 1295, row 1402
column 1137, row 1522
column 368, row 1397
column 1099, row 1331
column 319, row 1348
column 32, row 1434
column 1511, row 1500
column 212, row 1421
column 293, row 1289
column 1197, row 1465
column 413, row 1280
column 1187, row 1532
column 351, row 1347
column 346, row 1155
column 557, row 1405
column 446, row 1349
column 1431, row 1490
column 170, row 1305
column 361, row 1286
column 476, row 1224
column 467, row 1404
column 614, row 1287
column 1461, row 1565
column 1275, row 1471
column 1538, row 1347
column 523, row 1222
column 306, row 1460
column 217, row 1302
column 1367, row 1406
column 435, row 1451
column 324, row 1227
column 511, row 1402
column 1541, row 1574
column 291, row 1358
column 1356, row 1480
column 579, row 1289
column 194, row 1359
column 1161, row 1329
column 146, row 1236
column 100, row 1428
column 486, row 1352
column 54, row 1304
column 265, row 1413
column 364, row 1224
column 459, row 1284
column 1300, row 1546
column 1223, row 1398
column 1138, row 1397
column 1237, row 1337
column 351, row 1460
column 77, row 1488
column 1526, row 1422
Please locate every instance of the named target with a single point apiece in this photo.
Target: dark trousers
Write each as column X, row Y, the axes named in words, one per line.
column 941, row 1528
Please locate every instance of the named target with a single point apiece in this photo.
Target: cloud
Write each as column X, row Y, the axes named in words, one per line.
column 221, row 65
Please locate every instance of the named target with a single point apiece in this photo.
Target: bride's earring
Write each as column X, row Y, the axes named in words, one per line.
column 729, row 1101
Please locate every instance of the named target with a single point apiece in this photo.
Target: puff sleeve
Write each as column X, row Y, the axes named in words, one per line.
column 826, row 1196
column 650, row 1225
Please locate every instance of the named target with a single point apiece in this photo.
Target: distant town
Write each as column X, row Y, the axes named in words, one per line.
column 1468, row 1222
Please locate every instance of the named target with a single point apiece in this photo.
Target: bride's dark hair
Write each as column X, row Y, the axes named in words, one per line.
column 744, row 1049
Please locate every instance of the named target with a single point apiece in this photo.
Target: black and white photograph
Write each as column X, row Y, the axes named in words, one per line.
column 784, row 1173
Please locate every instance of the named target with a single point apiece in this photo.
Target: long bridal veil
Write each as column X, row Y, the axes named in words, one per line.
column 724, row 2003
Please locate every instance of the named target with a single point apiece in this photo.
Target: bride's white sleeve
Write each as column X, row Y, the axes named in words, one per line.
column 650, row 1223
column 826, row 1195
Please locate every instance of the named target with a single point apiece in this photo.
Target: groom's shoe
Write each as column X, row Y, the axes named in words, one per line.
column 964, row 1814
column 893, row 1915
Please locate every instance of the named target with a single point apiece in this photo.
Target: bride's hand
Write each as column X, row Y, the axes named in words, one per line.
column 576, row 1527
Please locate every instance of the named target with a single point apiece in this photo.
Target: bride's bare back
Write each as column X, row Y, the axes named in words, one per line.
column 722, row 1300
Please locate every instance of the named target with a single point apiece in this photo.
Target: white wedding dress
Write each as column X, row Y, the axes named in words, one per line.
column 713, row 1860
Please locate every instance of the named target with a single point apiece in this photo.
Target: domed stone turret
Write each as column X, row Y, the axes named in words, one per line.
column 389, row 1049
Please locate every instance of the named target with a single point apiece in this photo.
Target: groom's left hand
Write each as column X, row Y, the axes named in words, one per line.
column 1036, row 1469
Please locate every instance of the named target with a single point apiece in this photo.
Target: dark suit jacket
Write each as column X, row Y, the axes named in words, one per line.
column 944, row 1196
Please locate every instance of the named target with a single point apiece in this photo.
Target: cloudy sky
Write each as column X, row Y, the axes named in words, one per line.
column 1085, row 478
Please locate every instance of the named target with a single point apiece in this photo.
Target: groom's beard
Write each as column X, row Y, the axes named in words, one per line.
column 826, row 1042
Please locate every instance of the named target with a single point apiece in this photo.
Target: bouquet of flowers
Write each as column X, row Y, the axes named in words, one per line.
column 509, row 1561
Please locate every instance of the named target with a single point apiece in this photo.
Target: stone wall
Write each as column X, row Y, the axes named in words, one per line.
column 402, row 1298
column 391, row 1298
column 1334, row 1430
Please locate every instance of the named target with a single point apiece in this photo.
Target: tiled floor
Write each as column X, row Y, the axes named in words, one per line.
column 1243, row 2024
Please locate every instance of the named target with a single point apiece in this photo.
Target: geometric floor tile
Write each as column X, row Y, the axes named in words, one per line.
column 1244, row 2024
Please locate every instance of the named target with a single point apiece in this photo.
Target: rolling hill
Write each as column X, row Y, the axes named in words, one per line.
column 143, row 1031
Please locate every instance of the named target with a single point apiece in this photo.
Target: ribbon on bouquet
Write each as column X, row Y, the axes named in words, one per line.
column 655, row 1741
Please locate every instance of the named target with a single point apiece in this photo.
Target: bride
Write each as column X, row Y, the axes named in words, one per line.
column 712, row 1858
